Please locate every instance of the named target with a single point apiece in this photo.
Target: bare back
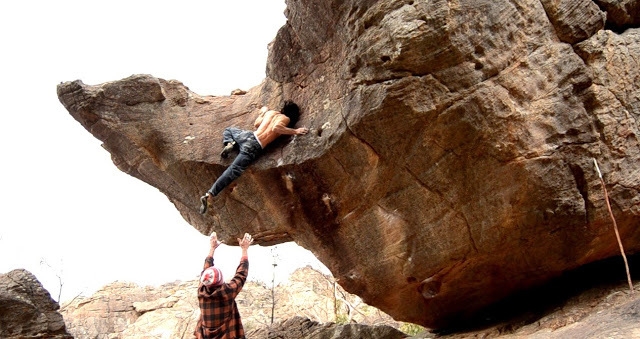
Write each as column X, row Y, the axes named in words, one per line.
column 266, row 130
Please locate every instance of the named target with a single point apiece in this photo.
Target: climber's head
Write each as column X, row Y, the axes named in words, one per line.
column 212, row 276
column 292, row 111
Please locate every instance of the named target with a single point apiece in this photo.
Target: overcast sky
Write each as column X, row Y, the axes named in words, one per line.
column 67, row 212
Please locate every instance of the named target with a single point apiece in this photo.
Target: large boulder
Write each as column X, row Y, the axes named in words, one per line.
column 450, row 161
column 27, row 310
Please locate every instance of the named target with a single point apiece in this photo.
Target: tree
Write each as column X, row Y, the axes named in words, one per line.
column 58, row 274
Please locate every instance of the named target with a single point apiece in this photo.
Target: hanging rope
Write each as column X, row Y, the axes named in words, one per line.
column 615, row 226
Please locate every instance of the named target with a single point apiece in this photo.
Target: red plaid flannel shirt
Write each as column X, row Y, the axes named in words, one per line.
column 219, row 316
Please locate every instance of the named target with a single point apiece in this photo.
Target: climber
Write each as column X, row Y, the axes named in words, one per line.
column 219, row 316
column 269, row 125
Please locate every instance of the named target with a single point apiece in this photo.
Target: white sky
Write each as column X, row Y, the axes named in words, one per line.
column 63, row 201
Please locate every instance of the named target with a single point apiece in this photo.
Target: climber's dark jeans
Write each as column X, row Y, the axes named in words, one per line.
column 250, row 149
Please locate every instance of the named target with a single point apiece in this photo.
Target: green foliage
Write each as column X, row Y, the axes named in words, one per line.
column 341, row 319
column 411, row 329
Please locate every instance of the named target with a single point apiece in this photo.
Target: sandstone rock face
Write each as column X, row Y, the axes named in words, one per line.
column 621, row 14
column 450, row 158
column 27, row 310
column 125, row 310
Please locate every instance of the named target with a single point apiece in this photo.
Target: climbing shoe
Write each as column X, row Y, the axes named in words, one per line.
column 204, row 203
column 227, row 149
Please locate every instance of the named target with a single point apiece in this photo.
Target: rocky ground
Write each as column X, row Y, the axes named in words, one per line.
column 593, row 302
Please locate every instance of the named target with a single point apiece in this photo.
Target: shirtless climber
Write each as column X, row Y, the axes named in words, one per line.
column 269, row 125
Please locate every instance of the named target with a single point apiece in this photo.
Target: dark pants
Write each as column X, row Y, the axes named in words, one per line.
column 250, row 149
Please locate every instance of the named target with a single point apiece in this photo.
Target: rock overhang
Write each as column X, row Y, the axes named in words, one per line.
column 449, row 161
